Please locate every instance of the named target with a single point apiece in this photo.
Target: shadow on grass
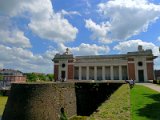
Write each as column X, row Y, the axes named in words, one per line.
column 151, row 111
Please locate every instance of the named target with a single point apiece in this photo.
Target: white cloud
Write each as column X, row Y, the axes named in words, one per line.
column 128, row 17
column 56, row 29
column 99, row 30
column 158, row 38
column 132, row 45
column 43, row 20
column 10, row 35
column 25, row 60
column 69, row 13
column 85, row 49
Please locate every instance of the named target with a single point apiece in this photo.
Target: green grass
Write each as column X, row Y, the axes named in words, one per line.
column 116, row 108
column 3, row 100
column 145, row 103
column 78, row 118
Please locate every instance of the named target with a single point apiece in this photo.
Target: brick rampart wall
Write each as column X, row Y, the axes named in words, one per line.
column 40, row 101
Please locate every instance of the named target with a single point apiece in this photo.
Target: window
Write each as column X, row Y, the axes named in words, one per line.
column 63, row 65
column 140, row 64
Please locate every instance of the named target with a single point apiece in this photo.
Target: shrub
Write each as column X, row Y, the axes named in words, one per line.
column 156, row 81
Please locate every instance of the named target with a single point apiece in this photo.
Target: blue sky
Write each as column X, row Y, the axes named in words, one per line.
column 32, row 32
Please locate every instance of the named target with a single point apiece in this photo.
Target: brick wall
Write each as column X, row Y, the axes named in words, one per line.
column 131, row 71
column 14, row 78
column 56, row 72
column 40, row 101
column 150, row 71
column 70, row 72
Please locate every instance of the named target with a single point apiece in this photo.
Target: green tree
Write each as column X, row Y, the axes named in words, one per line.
column 1, row 77
column 31, row 77
column 50, row 77
column 42, row 77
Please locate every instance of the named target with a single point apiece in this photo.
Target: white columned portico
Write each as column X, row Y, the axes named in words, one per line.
column 120, row 72
column 103, row 72
column 80, row 73
column 95, row 72
column 87, row 71
column 111, row 71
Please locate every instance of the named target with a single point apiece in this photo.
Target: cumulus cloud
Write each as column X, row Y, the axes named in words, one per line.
column 132, row 45
column 10, row 35
column 99, row 30
column 25, row 60
column 85, row 49
column 126, row 18
column 44, row 22
column 69, row 13
column 158, row 38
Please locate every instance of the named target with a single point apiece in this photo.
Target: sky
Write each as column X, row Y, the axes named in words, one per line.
column 33, row 31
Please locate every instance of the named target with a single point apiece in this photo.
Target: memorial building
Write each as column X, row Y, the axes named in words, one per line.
column 136, row 65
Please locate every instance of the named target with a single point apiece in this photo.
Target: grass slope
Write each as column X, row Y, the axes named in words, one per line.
column 116, row 108
column 3, row 101
column 145, row 103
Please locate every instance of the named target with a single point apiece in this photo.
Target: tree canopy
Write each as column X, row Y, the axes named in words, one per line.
column 34, row 77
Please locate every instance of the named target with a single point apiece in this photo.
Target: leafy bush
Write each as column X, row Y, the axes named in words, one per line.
column 156, row 81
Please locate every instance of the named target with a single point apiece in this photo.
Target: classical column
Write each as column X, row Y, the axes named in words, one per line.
column 120, row 72
column 87, row 71
column 103, row 72
column 80, row 73
column 95, row 72
column 111, row 68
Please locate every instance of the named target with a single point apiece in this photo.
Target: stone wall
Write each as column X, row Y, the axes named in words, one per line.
column 40, row 101
column 43, row 101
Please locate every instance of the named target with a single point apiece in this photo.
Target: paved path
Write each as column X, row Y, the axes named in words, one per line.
column 150, row 85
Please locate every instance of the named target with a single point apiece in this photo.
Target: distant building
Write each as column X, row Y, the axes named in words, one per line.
column 137, row 65
column 10, row 76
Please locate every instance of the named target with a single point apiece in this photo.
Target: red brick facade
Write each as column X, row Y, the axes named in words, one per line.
column 70, row 72
column 150, row 71
column 56, row 72
column 131, row 71
column 14, row 78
